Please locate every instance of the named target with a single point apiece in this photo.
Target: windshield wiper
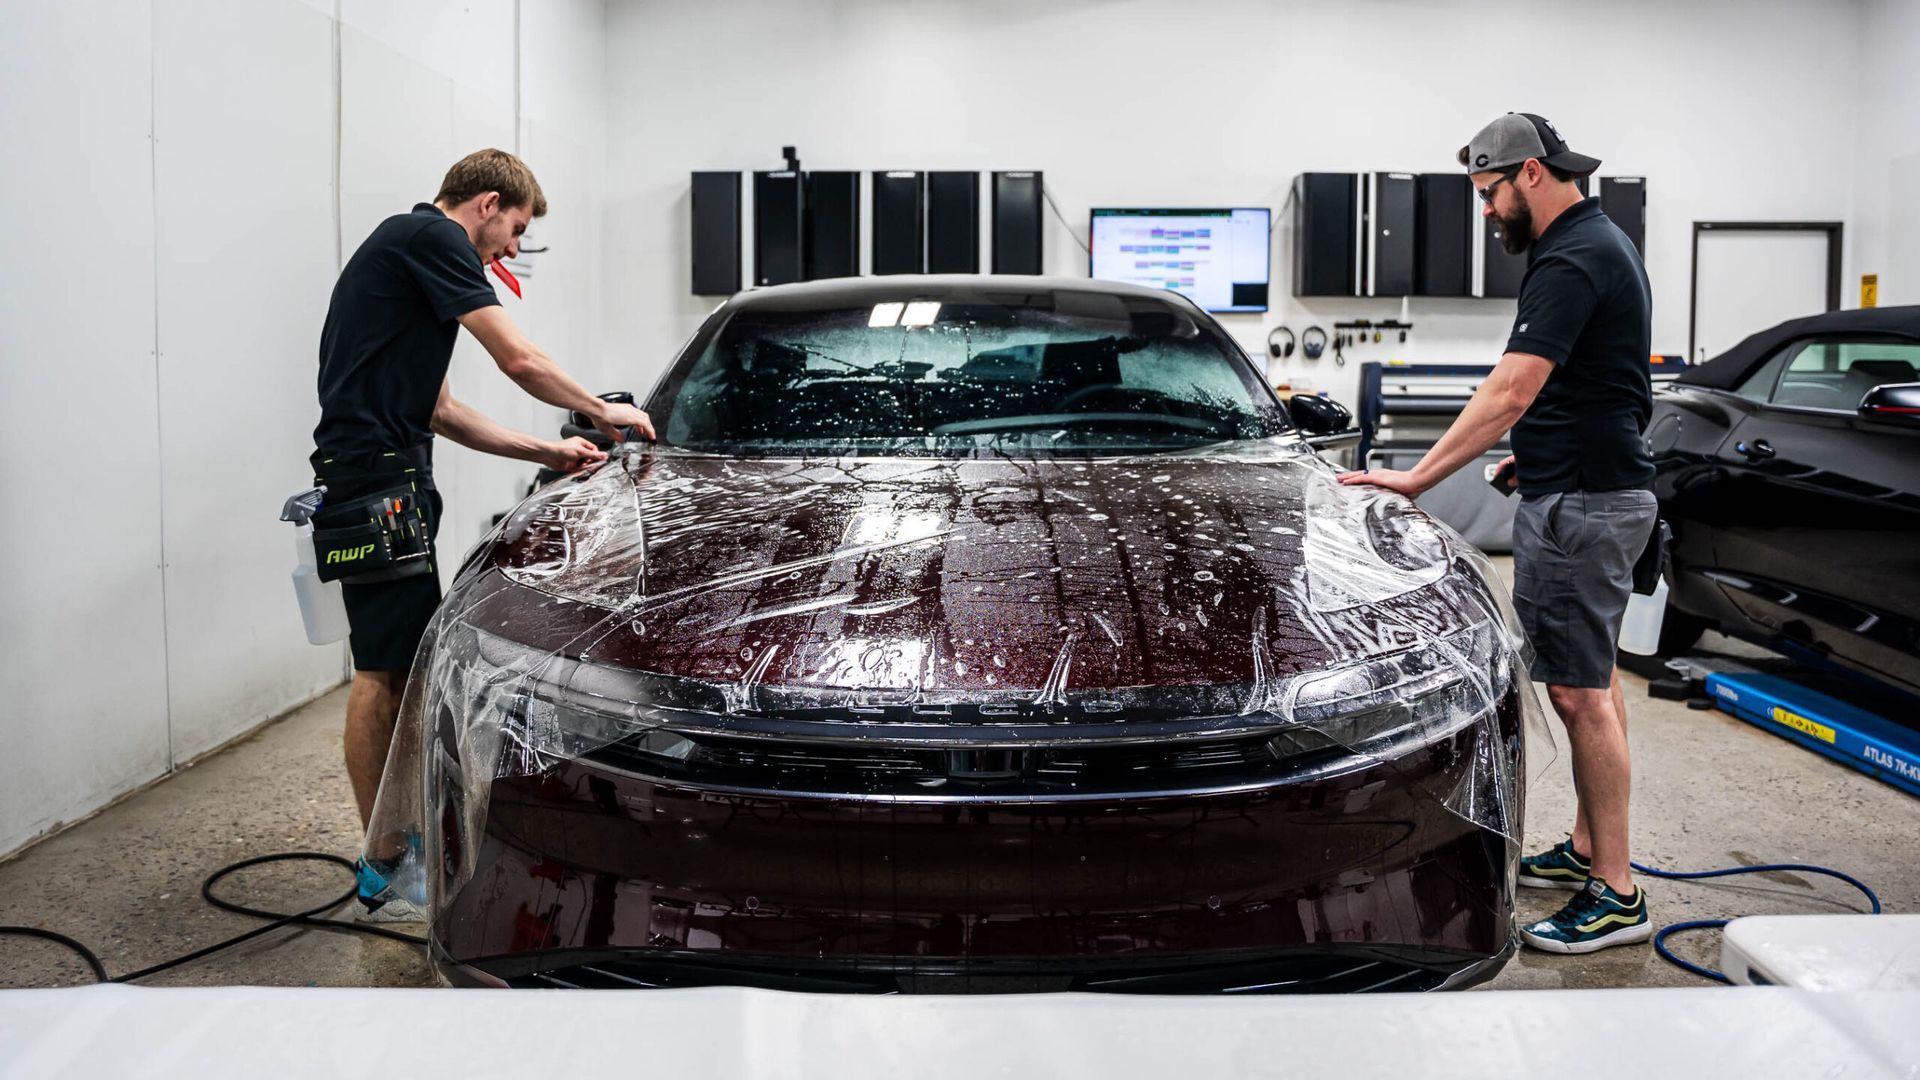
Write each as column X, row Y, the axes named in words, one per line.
column 1061, row 420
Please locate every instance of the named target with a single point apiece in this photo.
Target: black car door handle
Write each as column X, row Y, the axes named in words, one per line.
column 1757, row 450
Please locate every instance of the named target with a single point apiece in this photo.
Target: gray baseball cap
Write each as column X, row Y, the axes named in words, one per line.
column 1516, row 137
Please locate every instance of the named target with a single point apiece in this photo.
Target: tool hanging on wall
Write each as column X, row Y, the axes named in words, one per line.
column 1360, row 331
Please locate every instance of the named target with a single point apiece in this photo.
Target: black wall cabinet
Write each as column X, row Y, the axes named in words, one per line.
column 779, row 248
column 1017, row 246
column 716, row 233
column 1443, row 258
column 1326, row 209
column 833, row 225
column 1391, row 229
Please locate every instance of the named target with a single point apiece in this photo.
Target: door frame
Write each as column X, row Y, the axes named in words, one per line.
column 1835, row 235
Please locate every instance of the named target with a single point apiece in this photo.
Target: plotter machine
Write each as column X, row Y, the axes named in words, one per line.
column 1404, row 409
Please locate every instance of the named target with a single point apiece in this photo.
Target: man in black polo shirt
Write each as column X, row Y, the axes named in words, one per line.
column 1574, row 389
column 384, row 352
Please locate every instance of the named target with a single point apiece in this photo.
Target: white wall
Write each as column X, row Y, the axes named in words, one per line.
column 176, row 230
column 1731, row 111
column 238, row 319
column 83, row 657
column 1885, row 231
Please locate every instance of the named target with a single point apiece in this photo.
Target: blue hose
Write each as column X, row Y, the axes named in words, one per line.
column 1660, row 939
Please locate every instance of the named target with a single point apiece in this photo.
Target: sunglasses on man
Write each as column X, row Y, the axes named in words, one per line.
column 1511, row 171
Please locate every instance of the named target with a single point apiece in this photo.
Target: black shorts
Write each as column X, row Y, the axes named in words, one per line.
column 386, row 618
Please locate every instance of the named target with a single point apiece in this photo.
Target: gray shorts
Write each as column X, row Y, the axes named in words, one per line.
column 1573, row 556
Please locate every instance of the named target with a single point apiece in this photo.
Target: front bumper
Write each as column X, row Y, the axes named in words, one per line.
column 1354, row 875
column 1331, row 968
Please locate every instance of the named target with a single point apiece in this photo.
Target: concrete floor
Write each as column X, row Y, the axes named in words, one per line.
column 1709, row 791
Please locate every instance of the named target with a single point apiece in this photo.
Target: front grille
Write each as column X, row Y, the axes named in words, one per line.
column 1306, row 973
column 872, row 768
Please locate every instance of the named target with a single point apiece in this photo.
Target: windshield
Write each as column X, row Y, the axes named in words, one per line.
column 1045, row 373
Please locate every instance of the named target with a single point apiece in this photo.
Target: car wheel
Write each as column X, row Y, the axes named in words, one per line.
column 1680, row 631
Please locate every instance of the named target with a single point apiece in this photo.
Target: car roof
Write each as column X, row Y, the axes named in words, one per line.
column 861, row 291
column 1730, row 368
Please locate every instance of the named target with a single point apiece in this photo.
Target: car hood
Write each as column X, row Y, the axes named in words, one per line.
column 970, row 576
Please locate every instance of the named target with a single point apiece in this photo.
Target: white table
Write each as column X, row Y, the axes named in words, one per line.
column 1824, row 952
column 686, row 1034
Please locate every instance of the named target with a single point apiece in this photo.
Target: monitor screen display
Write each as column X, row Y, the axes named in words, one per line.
column 1216, row 258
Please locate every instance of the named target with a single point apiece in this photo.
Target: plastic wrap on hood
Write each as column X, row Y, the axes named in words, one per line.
column 1237, row 592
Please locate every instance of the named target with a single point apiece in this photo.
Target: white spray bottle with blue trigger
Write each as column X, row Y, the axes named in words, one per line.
column 322, row 607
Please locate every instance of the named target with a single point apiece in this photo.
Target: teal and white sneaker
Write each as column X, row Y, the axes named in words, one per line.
column 392, row 891
column 1596, row 918
column 378, row 901
column 1558, row 867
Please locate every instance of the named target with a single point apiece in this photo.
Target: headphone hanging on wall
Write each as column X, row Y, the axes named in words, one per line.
column 1313, row 342
column 1276, row 347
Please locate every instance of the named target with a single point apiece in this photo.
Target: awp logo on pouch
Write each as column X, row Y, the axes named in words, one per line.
column 349, row 554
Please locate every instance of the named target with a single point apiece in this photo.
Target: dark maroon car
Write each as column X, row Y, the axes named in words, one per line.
column 970, row 633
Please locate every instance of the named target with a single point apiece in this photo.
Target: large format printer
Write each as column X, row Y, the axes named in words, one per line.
column 1404, row 409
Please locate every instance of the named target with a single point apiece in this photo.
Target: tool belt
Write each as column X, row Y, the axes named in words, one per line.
column 381, row 531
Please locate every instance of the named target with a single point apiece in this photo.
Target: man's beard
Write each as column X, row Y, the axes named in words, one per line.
column 1516, row 229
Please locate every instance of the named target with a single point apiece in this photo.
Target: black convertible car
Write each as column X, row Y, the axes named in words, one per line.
column 1789, row 468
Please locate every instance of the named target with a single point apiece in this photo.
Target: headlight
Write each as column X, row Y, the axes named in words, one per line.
column 1405, row 539
column 526, row 710
column 1363, row 548
column 1424, row 693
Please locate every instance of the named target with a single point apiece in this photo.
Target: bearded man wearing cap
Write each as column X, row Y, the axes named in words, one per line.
column 1573, row 388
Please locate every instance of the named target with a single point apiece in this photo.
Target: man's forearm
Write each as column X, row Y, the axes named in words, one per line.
column 1499, row 403
column 537, row 374
column 460, row 422
column 1480, row 426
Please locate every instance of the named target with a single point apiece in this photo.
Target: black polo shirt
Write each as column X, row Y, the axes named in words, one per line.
column 389, row 333
column 1586, row 306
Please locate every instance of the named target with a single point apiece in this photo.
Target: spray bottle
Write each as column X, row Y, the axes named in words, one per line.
column 1647, row 606
column 322, row 608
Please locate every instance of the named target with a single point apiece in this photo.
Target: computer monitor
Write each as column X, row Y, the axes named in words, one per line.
column 1219, row 259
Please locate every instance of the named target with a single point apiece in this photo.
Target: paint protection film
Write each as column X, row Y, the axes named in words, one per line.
column 1214, row 684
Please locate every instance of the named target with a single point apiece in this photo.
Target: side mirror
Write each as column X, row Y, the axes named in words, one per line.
column 1318, row 415
column 1897, row 403
column 579, row 420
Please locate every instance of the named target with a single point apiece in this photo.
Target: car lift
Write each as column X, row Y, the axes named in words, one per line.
column 1824, row 724
column 1861, row 724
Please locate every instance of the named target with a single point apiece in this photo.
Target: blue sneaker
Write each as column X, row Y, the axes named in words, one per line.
column 377, row 901
column 1596, row 918
column 1558, row 867
column 384, row 894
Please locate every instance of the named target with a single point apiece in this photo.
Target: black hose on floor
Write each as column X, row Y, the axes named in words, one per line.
column 310, row 917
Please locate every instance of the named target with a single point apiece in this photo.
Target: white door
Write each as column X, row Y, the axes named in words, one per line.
column 1748, row 280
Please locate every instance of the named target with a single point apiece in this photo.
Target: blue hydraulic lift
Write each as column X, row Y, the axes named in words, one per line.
column 1845, row 732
